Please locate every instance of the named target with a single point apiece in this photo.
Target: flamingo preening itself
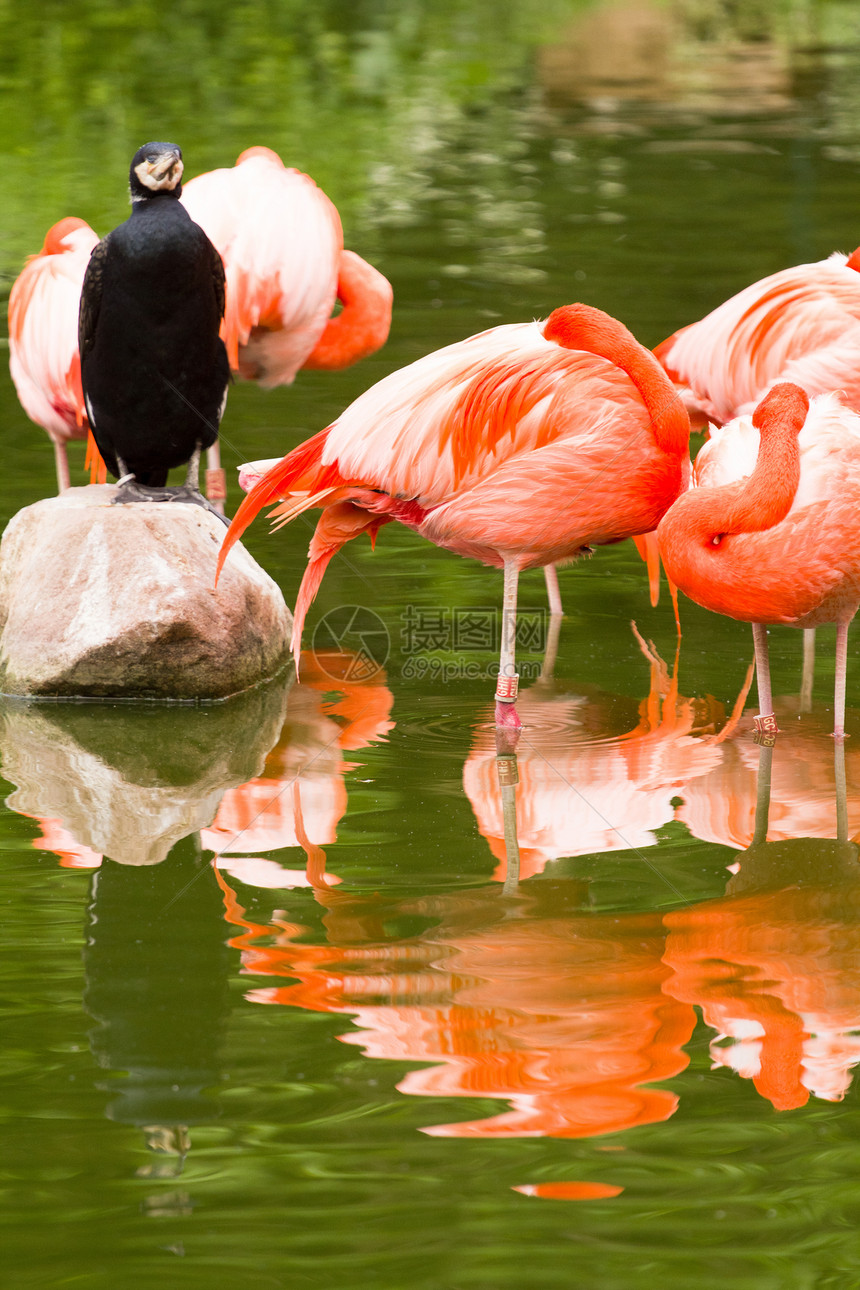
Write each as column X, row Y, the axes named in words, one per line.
column 43, row 338
column 770, row 534
column 801, row 325
column 522, row 446
column 281, row 241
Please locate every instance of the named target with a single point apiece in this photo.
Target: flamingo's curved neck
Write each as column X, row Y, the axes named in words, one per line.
column 583, row 327
column 700, row 535
column 693, row 529
column 766, row 496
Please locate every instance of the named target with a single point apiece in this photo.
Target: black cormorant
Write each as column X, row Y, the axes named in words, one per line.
column 153, row 366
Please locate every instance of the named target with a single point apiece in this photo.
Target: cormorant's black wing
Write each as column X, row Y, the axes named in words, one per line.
column 218, row 279
column 91, row 297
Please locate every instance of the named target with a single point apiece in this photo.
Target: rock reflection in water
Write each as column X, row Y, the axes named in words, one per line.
column 138, row 785
column 131, row 781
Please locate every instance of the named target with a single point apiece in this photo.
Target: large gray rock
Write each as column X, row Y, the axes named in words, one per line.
column 120, row 601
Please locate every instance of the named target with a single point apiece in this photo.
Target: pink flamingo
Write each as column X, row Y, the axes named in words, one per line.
column 522, row 446
column 801, row 325
column 43, row 339
column 780, row 546
column 281, row 241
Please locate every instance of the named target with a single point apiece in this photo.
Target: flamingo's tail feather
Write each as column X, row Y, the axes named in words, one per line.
column 300, row 471
column 93, row 461
column 292, row 507
column 646, row 545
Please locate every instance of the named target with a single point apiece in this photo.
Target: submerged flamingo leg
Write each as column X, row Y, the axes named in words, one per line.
column 839, row 688
column 553, row 594
column 506, row 686
column 841, row 791
column 766, row 721
column 808, row 674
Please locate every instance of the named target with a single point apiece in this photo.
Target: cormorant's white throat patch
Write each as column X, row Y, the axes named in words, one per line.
column 161, row 175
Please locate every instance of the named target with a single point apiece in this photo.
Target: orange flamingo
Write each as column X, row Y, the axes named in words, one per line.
column 281, row 241
column 801, row 325
column 43, row 340
column 780, row 545
column 522, row 446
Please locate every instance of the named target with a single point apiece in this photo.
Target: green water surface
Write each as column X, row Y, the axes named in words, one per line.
column 215, row 1075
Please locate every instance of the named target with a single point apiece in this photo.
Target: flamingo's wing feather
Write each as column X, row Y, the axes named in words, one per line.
column 438, row 426
column 43, row 330
column 801, row 324
column 280, row 238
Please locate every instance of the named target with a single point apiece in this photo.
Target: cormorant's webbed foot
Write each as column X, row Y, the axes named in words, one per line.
column 190, row 493
column 132, row 491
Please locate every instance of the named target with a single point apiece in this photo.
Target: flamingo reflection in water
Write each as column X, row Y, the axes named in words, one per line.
column 576, row 791
column 522, row 993
column 773, row 964
column 301, row 796
column 541, row 1002
column 526, row 994
column 71, row 853
column 721, row 805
